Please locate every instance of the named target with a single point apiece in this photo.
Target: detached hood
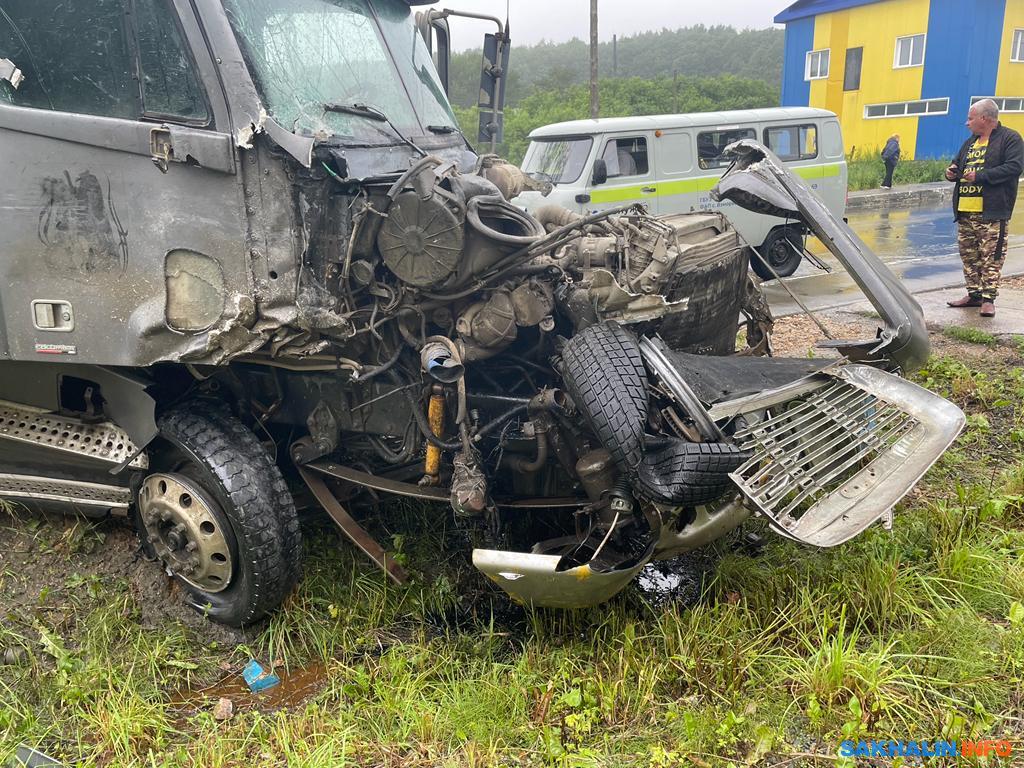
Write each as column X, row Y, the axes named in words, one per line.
column 758, row 181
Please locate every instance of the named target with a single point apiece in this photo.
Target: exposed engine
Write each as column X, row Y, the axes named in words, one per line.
column 494, row 359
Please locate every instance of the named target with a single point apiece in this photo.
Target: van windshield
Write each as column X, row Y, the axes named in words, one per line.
column 559, row 161
column 307, row 54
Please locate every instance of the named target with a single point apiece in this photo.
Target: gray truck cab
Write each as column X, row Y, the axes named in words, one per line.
column 245, row 250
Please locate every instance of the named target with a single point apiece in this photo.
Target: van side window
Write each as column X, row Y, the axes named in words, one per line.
column 626, row 157
column 793, row 142
column 75, row 56
column 169, row 83
column 711, row 145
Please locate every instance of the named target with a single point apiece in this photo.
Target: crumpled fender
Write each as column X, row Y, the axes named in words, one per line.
column 758, row 181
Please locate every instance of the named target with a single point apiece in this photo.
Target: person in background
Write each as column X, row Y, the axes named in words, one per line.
column 985, row 173
column 890, row 156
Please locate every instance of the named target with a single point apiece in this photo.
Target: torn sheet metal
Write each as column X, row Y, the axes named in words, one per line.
column 537, row 580
column 616, row 303
column 758, row 181
column 299, row 147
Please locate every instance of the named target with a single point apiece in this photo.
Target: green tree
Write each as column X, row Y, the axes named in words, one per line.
column 620, row 98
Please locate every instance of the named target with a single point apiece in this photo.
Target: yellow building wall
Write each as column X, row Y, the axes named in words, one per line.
column 1010, row 76
column 874, row 27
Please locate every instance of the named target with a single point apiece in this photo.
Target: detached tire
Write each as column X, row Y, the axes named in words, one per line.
column 217, row 512
column 605, row 377
column 782, row 249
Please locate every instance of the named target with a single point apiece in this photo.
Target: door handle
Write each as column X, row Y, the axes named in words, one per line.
column 648, row 190
column 160, row 147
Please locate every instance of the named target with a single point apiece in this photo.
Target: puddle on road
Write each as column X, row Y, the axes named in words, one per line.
column 294, row 689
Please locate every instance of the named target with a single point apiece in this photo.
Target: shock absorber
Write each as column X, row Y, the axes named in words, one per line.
column 435, row 417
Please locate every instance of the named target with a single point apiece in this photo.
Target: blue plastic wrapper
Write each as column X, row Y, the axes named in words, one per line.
column 257, row 678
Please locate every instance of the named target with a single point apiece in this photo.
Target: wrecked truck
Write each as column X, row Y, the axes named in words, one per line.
column 250, row 264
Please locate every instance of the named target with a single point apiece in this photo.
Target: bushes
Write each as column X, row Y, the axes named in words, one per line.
column 866, row 171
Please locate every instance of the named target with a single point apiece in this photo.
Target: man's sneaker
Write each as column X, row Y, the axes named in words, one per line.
column 882, row 186
column 988, row 309
column 966, row 301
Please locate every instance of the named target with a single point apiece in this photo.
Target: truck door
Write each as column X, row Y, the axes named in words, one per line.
column 630, row 173
column 118, row 182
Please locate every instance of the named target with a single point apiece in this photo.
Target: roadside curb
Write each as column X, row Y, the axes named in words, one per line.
column 906, row 196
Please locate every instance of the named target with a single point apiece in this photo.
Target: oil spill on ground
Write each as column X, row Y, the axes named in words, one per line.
column 679, row 582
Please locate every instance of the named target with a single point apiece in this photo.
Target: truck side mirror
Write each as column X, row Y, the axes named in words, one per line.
column 493, row 73
column 433, row 26
column 600, row 175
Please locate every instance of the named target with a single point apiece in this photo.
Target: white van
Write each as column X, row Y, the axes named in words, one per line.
column 671, row 162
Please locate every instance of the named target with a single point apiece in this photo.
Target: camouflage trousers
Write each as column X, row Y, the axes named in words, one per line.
column 983, row 252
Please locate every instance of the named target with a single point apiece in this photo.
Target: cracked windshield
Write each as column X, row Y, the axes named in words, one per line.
column 310, row 58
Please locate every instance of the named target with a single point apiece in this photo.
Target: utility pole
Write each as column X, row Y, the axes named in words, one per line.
column 615, row 55
column 595, row 104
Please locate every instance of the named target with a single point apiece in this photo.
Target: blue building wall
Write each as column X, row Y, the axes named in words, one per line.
column 961, row 60
column 796, row 92
column 966, row 55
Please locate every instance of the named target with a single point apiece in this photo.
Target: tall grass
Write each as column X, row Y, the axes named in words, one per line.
column 917, row 634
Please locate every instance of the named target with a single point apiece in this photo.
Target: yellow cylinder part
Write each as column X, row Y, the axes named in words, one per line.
column 435, row 417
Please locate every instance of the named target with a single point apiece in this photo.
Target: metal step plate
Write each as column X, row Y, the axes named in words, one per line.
column 103, row 441
column 72, row 491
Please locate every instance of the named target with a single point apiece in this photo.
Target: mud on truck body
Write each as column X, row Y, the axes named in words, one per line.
column 246, row 251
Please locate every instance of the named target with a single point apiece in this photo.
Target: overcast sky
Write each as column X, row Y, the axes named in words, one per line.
column 559, row 20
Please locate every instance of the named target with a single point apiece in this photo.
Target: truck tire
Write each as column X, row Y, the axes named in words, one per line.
column 605, row 377
column 782, row 249
column 218, row 513
column 688, row 474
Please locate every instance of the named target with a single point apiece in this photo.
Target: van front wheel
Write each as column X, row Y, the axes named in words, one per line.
column 782, row 249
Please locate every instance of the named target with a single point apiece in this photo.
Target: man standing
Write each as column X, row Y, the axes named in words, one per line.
column 986, row 171
column 890, row 156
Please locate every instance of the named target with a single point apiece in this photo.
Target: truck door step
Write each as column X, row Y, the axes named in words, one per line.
column 103, row 441
column 66, row 491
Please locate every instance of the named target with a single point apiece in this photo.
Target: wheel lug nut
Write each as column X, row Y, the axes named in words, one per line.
column 191, row 547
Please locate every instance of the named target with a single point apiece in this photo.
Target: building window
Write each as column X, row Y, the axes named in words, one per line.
column 851, row 74
column 1017, row 49
column 817, row 65
column 909, row 51
column 916, row 108
column 1005, row 103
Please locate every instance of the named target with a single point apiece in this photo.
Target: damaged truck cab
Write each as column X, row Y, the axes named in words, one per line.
column 246, row 250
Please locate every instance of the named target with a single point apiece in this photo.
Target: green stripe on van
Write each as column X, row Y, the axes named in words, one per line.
column 607, row 194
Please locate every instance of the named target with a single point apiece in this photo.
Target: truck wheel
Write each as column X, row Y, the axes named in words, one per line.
column 217, row 513
column 605, row 377
column 782, row 249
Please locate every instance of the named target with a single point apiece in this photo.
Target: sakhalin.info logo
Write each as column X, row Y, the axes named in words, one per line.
column 892, row 748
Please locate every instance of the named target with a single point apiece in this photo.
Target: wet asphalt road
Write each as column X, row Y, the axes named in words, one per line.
column 919, row 245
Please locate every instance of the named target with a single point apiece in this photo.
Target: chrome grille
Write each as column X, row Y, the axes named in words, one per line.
column 815, row 445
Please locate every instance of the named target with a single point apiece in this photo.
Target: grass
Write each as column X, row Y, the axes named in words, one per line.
column 866, row 171
column 970, row 335
column 913, row 634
